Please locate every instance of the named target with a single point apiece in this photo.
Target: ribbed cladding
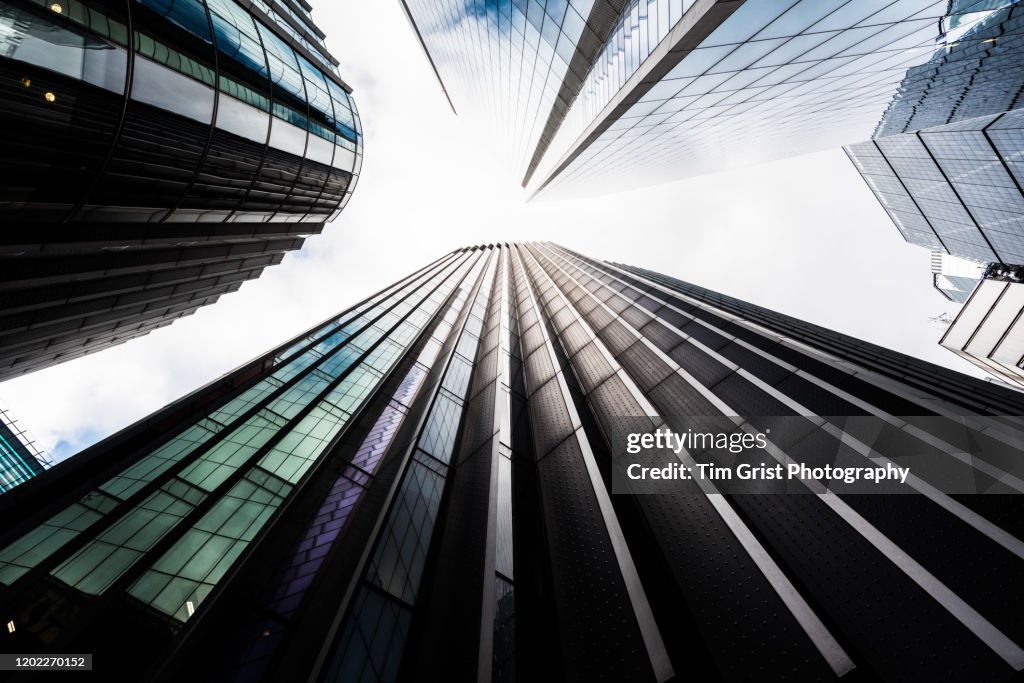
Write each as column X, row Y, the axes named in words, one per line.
column 713, row 579
column 600, row 23
column 447, row 632
column 600, row 637
column 972, row 394
column 947, row 541
column 776, row 518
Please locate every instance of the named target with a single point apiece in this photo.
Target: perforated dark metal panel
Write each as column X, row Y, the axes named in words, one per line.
column 748, row 400
column 755, row 364
column 674, row 396
column 617, row 337
column 550, row 418
column 896, row 629
column 635, row 317
column 539, row 369
column 533, row 338
column 659, row 334
column 575, row 338
column 703, row 367
column 591, row 367
column 644, row 366
column 600, row 638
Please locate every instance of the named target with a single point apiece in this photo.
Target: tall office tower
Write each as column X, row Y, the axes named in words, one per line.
column 155, row 155
column 418, row 489
column 945, row 159
column 610, row 94
column 20, row 458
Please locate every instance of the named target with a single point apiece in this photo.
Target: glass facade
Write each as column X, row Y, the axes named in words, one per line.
column 606, row 96
column 945, row 159
column 20, row 459
column 156, row 155
column 519, row 63
column 769, row 80
column 418, row 489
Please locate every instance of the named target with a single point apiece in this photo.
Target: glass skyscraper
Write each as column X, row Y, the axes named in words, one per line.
column 602, row 96
column 945, row 160
column 155, row 155
column 419, row 489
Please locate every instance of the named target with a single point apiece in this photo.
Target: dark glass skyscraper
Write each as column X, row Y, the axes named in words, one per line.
column 155, row 155
column 945, row 160
column 419, row 489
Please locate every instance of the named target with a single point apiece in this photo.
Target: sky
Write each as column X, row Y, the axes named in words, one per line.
column 803, row 236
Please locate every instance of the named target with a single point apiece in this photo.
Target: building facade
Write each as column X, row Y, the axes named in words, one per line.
column 20, row 458
column 944, row 161
column 153, row 157
column 989, row 331
column 597, row 96
column 418, row 489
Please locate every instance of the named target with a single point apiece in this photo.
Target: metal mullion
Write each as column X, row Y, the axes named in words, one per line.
column 813, row 627
column 213, row 116
column 430, row 326
column 866, row 360
column 858, row 355
column 357, row 580
column 1004, row 647
column 115, row 590
column 107, row 520
column 502, row 404
column 353, row 313
column 933, row 587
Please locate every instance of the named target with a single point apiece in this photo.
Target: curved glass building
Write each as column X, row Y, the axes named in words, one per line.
column 154, row 155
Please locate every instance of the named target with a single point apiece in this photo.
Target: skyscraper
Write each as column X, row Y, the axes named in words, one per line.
column 20, row 458
column 420, row 489
column 601, row 96
column 945, row 159
column 154, row 156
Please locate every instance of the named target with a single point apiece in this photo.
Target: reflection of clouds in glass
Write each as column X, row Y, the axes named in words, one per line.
column 773, row 80
column 506, row 65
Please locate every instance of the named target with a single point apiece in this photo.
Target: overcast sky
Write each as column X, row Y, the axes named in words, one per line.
column 803, row 236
